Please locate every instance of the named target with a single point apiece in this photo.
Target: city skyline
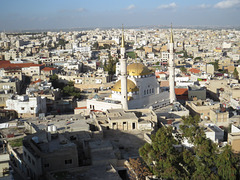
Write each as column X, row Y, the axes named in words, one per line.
column 27, row 14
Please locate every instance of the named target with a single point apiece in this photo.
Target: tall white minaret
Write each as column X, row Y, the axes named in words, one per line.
column 123, row 66
column 171, row 69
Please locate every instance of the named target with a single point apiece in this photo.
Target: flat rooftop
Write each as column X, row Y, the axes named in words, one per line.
column 196, row 88
column 214, row 128
column 119, row 114
column 55, row 144
column 63, row 122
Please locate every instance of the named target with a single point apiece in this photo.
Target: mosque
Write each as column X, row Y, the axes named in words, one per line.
column 137, row 87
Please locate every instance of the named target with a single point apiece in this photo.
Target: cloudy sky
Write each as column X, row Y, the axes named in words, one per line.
column 57, row 14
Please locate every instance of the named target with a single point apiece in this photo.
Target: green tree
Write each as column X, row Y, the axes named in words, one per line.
column 204, row 149
column 161, row 156
column 70, row 90
column 226, row 164
column 191, row 130
column 197, row 58
column 131, row 55
column 53, row 77
column 185, row 54
column 235, row 74
column 215, row 64
column 205, row 157
column 203, row 161
column 183, row 69
column 70, row 83
column 110, row 66
column 96, row 46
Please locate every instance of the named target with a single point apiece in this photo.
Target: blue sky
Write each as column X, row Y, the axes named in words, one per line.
column 45, row 14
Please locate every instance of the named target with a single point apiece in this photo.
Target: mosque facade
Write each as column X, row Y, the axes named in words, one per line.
column 137, row 87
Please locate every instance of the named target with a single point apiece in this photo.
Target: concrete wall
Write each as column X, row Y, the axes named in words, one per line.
column 30, row 107
column 4, row 158
column 199, row 94
column 234, row 141
column 101, row 106
column 196, row 107
column 219, row 117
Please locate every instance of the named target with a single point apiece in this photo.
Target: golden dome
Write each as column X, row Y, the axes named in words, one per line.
column 131, row 87
column 137, row 69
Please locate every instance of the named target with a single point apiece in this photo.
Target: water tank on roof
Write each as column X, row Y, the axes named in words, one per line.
column 54, row 128
column 49, row 129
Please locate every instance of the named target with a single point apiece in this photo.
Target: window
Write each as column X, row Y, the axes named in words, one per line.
column 69, row 161
column 152, row 90
column 133, row 125
column 46, row 165
column 144, row 92
column 22, row 108
column 32, row 108
column 29, row 159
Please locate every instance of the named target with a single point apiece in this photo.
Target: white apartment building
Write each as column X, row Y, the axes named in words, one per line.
column 164, row 57
column 214, row 133
column 27, row 106
column 32, row 70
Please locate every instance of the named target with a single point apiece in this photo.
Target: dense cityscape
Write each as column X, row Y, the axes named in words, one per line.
column 144, row 102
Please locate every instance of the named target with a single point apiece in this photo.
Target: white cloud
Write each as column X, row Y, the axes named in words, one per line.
column 81, row 10
column 227, row 4
column 168, row 6
column 72, row 10
column 130, row 7
column 204, row 6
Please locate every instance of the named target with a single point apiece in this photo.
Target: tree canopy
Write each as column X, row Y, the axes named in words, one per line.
column 183, row 69
column 70, row 90
column 67, row 90
column 215, row 64
column 235, row 74
column 167, row 159
column 110, row 66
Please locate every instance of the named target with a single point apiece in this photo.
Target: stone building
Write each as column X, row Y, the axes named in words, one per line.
column 219, row 116
column 43, row 152
column 202, row 108
column 118, row 119
column 27, row 106
column 195, row 92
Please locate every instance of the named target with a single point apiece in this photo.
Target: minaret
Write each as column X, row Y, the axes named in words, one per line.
column 171, row 69
column 123, row 66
